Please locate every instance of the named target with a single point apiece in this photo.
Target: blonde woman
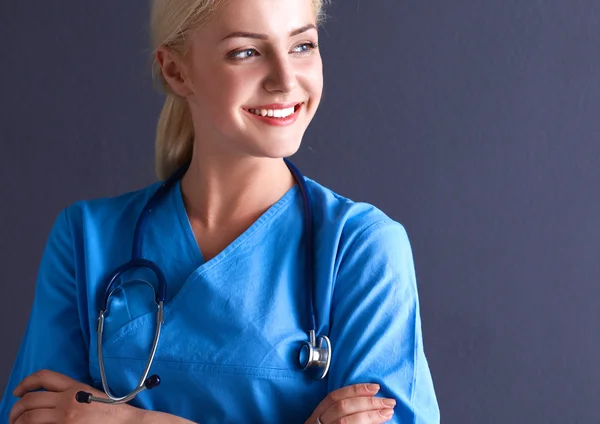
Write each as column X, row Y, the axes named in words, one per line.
column 250, row 293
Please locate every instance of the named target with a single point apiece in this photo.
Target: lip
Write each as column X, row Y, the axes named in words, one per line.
column 275, row 106
column 278, row 122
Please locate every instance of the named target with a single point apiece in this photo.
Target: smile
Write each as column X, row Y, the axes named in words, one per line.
column 276, row 114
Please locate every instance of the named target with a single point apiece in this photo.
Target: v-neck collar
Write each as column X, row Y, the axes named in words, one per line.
column 188, row 232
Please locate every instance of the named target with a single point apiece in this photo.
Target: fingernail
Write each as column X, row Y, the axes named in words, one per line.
column 386, row 413
column 389, row 402
column 373, row 388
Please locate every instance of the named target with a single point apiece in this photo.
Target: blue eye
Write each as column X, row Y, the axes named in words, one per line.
column 243, row 54
column 305, row 48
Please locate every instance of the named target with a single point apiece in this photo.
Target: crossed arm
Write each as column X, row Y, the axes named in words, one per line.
column 56, row 404
column 381, row 291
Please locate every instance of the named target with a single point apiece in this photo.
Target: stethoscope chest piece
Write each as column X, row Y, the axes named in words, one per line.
column 316, row 359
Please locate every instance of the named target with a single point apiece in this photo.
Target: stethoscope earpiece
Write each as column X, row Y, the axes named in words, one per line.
column 315, row 359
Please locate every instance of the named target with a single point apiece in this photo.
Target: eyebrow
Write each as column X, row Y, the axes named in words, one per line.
column 266, row 37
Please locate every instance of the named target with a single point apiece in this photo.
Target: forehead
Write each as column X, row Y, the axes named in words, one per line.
column 275, row 18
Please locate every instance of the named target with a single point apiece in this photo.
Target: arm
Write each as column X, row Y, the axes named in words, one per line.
column 151, row 417
column 55, row 335
column 375, row 323
column 56, row 341
column 56, row 404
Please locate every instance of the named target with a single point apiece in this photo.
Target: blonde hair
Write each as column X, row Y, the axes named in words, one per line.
column 170, row 22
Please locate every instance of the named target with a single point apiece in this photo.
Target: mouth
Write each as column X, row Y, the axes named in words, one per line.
column 276, row 114
column 277, row 111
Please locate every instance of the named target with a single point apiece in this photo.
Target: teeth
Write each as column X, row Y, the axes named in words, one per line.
column 274, row 113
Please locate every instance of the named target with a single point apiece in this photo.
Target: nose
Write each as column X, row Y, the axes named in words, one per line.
column 281, row 76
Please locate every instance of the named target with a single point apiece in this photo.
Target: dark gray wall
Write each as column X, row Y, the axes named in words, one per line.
column 474, row 123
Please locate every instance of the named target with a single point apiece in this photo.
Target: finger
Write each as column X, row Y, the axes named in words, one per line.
column 356, row 405
column 347, row 392
column 369, row 417
column 33, row 401
column 39, row 416
column 43, row 379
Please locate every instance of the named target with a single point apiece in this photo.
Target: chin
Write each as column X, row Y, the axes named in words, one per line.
column 282, row 151
column 273, row 147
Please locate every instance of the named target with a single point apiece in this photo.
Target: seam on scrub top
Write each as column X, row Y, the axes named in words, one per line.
column 221, row 369
column 351, row 247
column 127, row 328
column 416, row 369
column 371, row 227
column 126, row 303
column 146, row 194
column 207, row 266
column 185, row 223
column 271, row 213
column 210, row 364
column 82, row 327
column 141, row 320
column 330, row 191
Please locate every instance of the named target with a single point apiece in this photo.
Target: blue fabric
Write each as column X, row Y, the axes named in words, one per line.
column 233, row 325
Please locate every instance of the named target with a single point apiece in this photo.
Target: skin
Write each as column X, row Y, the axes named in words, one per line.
column 237, row 172
column 354, row 404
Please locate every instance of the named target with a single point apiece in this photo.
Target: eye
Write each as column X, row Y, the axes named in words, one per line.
column 305, row 48
column 242, row 54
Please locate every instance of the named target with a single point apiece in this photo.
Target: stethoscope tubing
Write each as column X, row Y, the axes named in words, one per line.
column 317, row 356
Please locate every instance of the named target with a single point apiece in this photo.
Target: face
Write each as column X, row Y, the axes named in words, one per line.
column 253, row 77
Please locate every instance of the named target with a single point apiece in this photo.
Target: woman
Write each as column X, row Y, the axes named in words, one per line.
column 243, row 81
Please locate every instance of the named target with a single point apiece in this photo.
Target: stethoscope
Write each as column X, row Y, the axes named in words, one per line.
column 312, row 357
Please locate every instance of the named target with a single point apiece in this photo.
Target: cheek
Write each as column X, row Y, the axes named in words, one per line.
column 317, row 84
column 313, row 81
column 222, row 94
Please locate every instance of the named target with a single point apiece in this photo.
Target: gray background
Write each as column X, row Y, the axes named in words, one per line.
column 474, row 123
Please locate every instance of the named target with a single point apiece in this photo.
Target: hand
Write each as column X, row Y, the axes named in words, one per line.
column 355, row 404
column 57, row 405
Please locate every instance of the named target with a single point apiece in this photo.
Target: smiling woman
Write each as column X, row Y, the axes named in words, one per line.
column 275, row 299
column 232, row 61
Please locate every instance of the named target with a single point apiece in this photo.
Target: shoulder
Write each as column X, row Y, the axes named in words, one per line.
column 360, row 247
column 353, row 223
column 100, row 211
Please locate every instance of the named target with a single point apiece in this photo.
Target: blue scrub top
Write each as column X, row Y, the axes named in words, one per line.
column 233, row 327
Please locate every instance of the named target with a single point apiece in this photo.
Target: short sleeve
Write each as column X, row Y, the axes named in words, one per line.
column 54, row 337
column 375, row 323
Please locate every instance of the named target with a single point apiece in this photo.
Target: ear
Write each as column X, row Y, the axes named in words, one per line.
column 173, row 71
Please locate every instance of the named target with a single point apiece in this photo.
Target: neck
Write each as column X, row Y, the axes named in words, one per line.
column 223, row 191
